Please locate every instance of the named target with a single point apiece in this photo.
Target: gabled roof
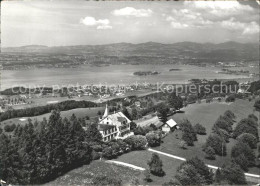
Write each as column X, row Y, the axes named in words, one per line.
column 171, row 123
column 117, row 118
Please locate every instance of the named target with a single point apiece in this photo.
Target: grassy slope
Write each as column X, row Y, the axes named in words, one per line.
column 140, row 158
column 85, row 174
column 206, row 114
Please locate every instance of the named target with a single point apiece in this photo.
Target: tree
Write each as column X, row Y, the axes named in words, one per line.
column 132, row 125
column 175, row 101
column 217, row 143
column 188, row 175
column 252, row 116
column 257, row 105
column 230, row 114
column 221, row 132
column 210, row 153
column 242, row 148
column 218, row 176
column 188, row 133
column 139, row 131
column 231, row 173
column 126, row 113
column 134, row 113
column 223, row 124
column 153, row 139
column 9, row 128
column 163, row 111
column 246, row 126
column 155, row 165
column 136, row 142
column 194, row 172
column 242, row 161
column 93, row 134
column 199, row 129
column 249, row 139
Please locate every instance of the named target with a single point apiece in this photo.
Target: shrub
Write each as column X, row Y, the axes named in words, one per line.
column 210, row 153
column 101, row 180
column 217, row 143
column 95, row 155
column 124, row 147
column 231, row 98
column 183, row 144
column 249, row 139
column 9, row 128
column 199, row 129
column 153, row 139
column 1, row 130
column 136, row 142
column 108, row 153
column 155, row 165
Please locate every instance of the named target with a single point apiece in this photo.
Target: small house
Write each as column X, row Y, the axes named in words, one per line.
column 169, row 125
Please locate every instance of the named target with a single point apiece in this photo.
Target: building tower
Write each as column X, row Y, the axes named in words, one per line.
column 105, row 113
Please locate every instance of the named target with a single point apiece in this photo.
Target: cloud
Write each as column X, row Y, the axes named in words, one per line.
column 187, row 18
column 176, row 24
column 130, row 11
column 245, row 28
column 219, row 8
column 99, row 24
column 104, row 27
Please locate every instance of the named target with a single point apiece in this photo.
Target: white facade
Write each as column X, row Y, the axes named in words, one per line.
column 119, row 121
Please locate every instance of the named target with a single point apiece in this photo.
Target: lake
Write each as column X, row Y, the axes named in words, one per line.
column 113, row 74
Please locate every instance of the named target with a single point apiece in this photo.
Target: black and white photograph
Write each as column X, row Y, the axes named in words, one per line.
column 129, row 92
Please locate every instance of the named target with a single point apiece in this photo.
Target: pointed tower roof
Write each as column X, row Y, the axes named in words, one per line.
column 106, row 112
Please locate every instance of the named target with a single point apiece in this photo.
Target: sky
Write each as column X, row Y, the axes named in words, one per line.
column 63, row 23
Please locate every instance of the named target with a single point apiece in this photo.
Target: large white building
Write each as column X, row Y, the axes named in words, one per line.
column 114, row 126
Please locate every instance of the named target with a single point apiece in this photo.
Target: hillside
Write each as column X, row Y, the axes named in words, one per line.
column 222, row 51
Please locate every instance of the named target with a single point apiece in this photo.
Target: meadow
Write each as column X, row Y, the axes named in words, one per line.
column 206, row 114
column 84, row 175
column 140, row 158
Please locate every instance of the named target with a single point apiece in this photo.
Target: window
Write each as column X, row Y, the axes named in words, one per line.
column 105, row 139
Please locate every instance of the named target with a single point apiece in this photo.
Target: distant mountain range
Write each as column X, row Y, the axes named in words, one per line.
column 227, row 50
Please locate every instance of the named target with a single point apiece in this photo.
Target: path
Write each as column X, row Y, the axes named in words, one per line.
column 250, row 177
column 126, row 165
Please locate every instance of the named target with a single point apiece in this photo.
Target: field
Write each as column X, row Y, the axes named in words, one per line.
column 140, row 158
column 85, row 174
column 206, row 114
column 79, row 112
